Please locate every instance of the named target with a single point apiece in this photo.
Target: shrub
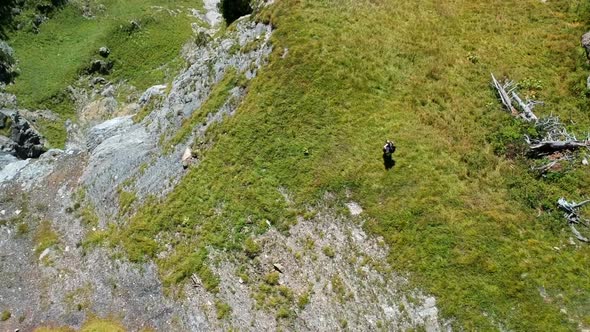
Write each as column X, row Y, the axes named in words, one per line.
column 272, row 278
column 223, row 309
column 5, row 315
column 252, row 248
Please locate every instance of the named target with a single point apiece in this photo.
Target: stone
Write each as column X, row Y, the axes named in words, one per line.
column 354, row 208
column 98, row 80
column 44, row 253
column 104, row 51
column 187, row 156
column 109, row 91
column 26, row 141
column 586, row 43
column 156, row 90
column 100, row 67
column 3, row 120
column 38, row 20
column 278, row 267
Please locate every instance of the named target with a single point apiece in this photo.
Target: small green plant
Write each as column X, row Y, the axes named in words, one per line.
column 338, row 287
column 252, row 248
column 126, row 200
column 223, row 309
column 272, row 278
column 45, row 237
column 22, row 228
column 329, row 251
column 343, row 323
column 303, row 300
column 5, row 315
column 88, row 215
column 283, row 312
column 531, row 84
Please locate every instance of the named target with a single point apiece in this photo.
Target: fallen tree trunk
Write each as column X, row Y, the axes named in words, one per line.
column 504, row 97
column 527, row 108
column 545, row 148
column 508, row 89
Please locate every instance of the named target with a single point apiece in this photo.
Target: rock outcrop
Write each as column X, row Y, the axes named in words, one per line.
column 24, row 141
column 586, row 43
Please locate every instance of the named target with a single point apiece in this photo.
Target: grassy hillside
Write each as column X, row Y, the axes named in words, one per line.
column 55, row 57
column 472, row 227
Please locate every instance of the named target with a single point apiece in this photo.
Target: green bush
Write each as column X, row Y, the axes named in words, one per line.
column 252, row 248
column 5, row 315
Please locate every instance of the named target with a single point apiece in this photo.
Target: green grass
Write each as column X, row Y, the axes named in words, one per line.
column 92, row 324
column 7, row 130
column 471, row 226
column 126, row 200
column 54, row 58
column 45, row 237
column 223, row 309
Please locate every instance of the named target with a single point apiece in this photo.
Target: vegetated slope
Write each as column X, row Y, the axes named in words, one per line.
column 62, row 50
column 474, row 228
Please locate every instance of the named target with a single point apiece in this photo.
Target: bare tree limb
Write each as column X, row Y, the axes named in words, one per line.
column 578, row 235
column 572, row 214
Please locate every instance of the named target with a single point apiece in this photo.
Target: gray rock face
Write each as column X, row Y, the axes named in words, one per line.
column 586, row 43
column 123, row 152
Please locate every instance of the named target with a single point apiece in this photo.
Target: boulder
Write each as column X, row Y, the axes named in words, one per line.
column 278, row 267
column 98, row 80
column 6, row 145
column 3, row 120
column 27, row 142
column 100, row 67
column 104, row 51
column 586, row 43
column 187, row 157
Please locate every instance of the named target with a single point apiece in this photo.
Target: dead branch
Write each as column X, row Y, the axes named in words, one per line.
column 545, row 148
column 504, row 98
column 578, row 235
column 545, row 168
column 509, row 89
column 571, row 211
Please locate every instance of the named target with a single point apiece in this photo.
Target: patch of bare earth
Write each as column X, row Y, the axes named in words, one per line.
column 331, row 276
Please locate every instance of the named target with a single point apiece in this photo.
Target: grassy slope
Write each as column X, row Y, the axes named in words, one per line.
column 473, row 228
column 54, row 58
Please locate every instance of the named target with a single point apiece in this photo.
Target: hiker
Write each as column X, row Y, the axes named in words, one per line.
column 389, row 148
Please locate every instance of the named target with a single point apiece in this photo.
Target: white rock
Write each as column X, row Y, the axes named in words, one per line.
column 44, row 253
column 354, row 208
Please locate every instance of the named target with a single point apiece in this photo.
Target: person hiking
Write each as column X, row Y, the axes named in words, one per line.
column 388, row 150
column 389, row 147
